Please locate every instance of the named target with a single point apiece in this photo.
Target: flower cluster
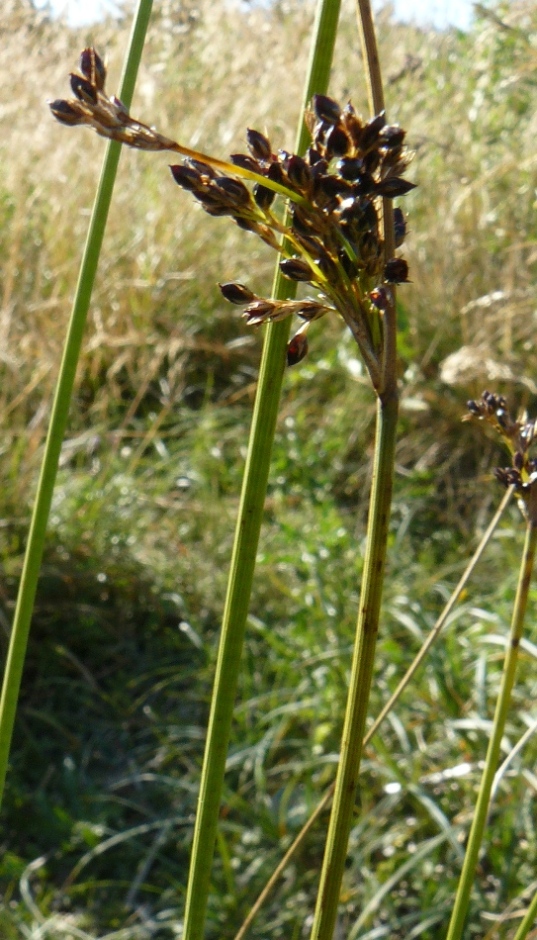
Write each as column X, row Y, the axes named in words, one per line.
column 331, row 238
column 517, row 435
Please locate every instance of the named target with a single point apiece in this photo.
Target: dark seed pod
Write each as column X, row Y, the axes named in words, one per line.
column 83, row 89
column 202, row 168
column 371, row 132
column 93, row 68
column 296, row 269
column 263, row 196
column 392, row 135
column 233, row 190
column 350, row 168
column 396, row 271
column 245, row 224
column 299, row 173
column 237, row 293
column 297, row 348
column 326, row 109
column 302, row 224
column 259, row 310
column 393, row 186
column 474, row 408
column 246, row 162
column 337, row 142
column 187, row 177
column 276, row 174
column 379, row 298
column 313, row 156
column 66, row 112
column 258, row 145
column 399, row 226
column 310, row 310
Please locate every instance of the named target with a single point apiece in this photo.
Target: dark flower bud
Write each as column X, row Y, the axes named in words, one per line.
column 350, row 168
column 245, row 161
column 337, row 142
column 93, row 68
column 301, row 221
column 371, row 161
column 245, row 224
column 237, row 293
column 310, row 310
column 393, row 186
column 392, row 135
column 396, row 271
column 298, row 172
column 332, row 185
column 258, row 145
column 187, row 177
column 399, row 227
column 474, row 408
column 233, row 190
column 326, row 109
column 66, row 112
column 296, row 269
column 83, row 89
column 203, row 168
column 263, row 196
column 297, row 348
column 276, row 174
column 353, row 124
column 371, row 132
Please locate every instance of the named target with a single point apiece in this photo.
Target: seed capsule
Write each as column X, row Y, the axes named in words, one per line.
column 83, row 89
column 66, row 112
column 296, row 269
column 263, row 196
column 371, row 131
column 237, row 293
column 393, row 186
column 297, row 348
column 396, row 271
column 187, row 177
column 93, row 68
column 326, row 109
column 258, row 145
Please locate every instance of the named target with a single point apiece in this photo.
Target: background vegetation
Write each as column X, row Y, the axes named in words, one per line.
column 99, row 806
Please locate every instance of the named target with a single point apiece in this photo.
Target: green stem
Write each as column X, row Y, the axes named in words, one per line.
column 247, row 534
column 528, row 921
column 60, row 409
column 475, row 838
column 361, row 674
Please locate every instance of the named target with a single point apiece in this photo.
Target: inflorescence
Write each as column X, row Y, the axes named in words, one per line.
column 518, row 437
column 330, row 239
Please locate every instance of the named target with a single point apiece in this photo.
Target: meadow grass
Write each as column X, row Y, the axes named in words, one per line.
column 141, row 527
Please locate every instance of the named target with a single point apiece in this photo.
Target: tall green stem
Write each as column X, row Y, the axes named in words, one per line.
column 247, row 534
column 475, row 838
column 60, row 409
column 361, row 674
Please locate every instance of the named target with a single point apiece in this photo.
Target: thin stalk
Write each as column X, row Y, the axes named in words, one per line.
column 373, row 574
column 361, row 674
column 394, row 697
column 247, row 534
column 475, row 838
column 528, row 920
column 60, row 409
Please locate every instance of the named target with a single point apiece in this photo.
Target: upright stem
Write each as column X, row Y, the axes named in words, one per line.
column 475, row 838
column 60, row 408
column 361, row 674
column 247, row 535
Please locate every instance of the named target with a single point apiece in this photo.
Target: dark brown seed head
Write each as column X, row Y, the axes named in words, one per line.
column 371, row 132
column 299, row 173
column 326, row 109
column 258, row 145
column 297, row 348
column 187, row 177
column 237, row 293
column 232, row 190
column 93, row 68
column 296, row 269
column 246, row 162
column 83, row 89
column 392, row 135
column 263, row 196
column 396, row 271
column 67, row 112
column 393, row 186
column 336, row 142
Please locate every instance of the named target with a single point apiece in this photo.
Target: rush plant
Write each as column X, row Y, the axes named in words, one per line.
column 327, row 210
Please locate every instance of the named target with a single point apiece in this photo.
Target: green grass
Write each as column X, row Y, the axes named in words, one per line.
column 140, row 538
